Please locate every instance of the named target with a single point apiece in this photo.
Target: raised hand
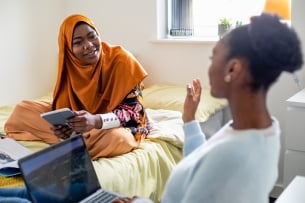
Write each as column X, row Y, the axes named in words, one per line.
column 192, row 99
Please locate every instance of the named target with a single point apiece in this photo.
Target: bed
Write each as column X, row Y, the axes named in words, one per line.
column 144, row 171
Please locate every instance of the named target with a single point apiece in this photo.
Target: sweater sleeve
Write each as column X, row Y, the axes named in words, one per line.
column 194, row 137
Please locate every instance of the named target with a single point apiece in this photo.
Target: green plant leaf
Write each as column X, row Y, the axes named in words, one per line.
column 225, row 21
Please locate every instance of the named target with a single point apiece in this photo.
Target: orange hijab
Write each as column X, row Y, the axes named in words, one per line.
column 97, row 88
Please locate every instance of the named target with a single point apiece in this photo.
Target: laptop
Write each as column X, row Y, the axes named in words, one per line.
column 63, row 173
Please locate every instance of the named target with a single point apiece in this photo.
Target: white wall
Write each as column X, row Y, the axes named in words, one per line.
column 28, row 54
column 28, row 50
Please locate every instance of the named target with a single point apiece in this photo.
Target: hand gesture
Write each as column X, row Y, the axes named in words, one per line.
column 192, row 99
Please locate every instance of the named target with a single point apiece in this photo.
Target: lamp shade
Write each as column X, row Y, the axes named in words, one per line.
column 280, row 7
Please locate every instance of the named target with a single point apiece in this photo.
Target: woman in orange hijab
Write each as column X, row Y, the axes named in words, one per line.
column 100, row 83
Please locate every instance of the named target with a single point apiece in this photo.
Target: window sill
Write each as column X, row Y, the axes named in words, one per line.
column 185, row 40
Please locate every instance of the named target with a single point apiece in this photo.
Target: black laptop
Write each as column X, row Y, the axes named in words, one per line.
column 63, row 173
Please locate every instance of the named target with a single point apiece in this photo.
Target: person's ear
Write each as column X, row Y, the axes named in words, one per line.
column 233, row 70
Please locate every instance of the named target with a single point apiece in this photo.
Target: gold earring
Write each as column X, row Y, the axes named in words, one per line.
column 227, row 78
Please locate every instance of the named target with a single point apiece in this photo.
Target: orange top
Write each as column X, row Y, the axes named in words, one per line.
column 97, row 88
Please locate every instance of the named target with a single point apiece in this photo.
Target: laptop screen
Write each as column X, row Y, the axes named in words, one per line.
column 60, row 173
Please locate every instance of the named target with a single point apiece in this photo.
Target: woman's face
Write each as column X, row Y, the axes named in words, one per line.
column 86, row 44
column 217, row 70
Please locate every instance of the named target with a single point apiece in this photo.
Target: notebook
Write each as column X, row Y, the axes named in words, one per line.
column 62, row 173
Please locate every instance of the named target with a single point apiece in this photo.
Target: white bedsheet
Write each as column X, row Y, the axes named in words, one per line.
column 167, row 126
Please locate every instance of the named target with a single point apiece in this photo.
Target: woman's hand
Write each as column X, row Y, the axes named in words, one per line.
column 63, row 132
column 125, row 199
column 192, row 99
column 84, row 121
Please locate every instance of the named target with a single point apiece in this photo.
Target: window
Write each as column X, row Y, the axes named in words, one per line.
column 199, row 18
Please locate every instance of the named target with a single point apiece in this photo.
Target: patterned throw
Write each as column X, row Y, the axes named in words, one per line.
column 13, row 181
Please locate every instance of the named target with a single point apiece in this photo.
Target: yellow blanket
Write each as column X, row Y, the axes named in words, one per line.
column 144, row 171
column 155, row 159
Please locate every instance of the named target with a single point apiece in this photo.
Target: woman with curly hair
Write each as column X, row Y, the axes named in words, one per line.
column 239, row 163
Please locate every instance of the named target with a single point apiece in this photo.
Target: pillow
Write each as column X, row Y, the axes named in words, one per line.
column 171, row 97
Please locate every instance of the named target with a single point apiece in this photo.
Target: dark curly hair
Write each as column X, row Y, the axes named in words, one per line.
column 270, row 47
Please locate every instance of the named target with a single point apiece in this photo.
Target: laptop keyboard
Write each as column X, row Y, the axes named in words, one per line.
column 101, row 197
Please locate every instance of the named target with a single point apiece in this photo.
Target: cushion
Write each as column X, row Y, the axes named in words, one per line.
column 172, row 96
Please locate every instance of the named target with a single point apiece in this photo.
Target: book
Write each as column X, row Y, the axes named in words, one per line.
column 10, row 152
column 58, row 117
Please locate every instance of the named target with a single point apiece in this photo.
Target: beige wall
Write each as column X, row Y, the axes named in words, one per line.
column 28, row 39
column 28, row 53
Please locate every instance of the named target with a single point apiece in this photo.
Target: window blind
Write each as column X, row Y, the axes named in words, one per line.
column 181, row 18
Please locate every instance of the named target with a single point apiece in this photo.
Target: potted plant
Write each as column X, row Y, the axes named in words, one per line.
column 238, row 23
column 224, row 26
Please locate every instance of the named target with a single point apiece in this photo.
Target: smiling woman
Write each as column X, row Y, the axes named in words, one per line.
column 107, row 107
column 86, row 45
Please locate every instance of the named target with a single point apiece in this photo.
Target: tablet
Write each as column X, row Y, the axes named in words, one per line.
column 58, row 117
